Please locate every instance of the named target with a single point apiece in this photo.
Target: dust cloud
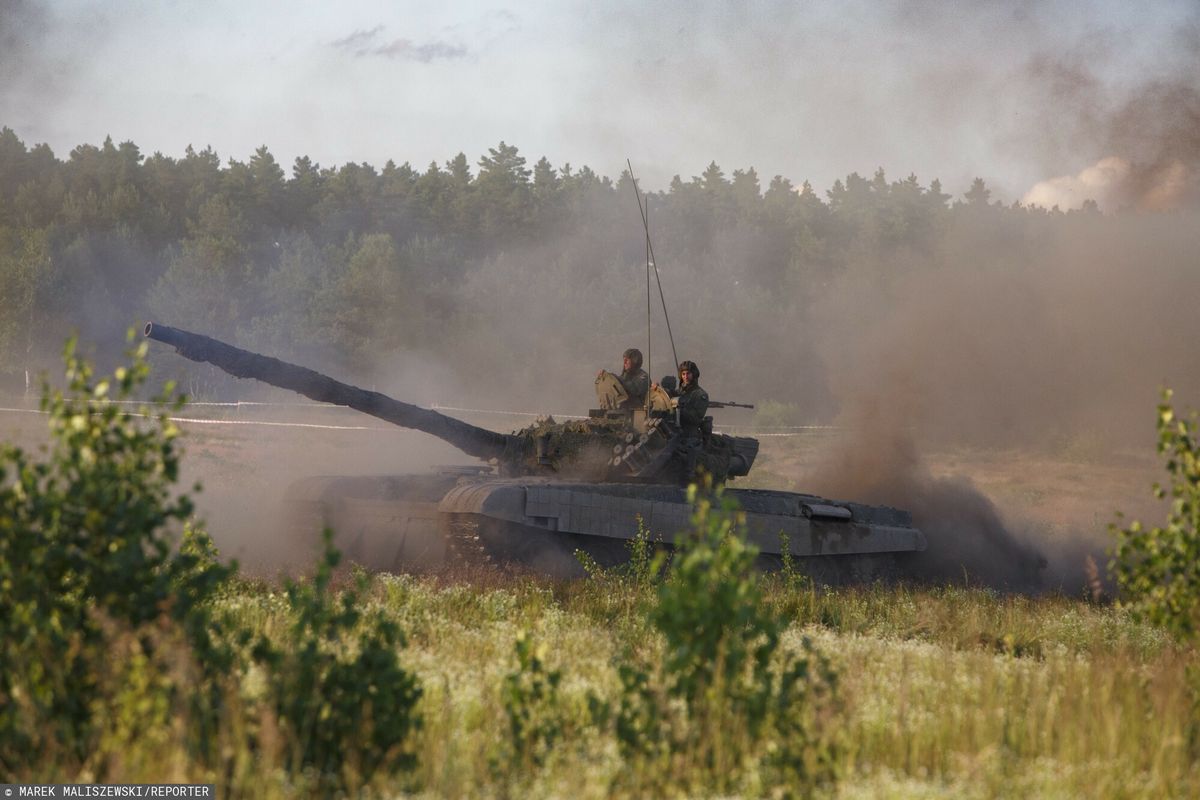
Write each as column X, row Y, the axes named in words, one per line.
column 1055, row 346
column 968, row 541
column 245, row 469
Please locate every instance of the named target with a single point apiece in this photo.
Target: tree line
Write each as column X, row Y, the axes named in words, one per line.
column 337, row 264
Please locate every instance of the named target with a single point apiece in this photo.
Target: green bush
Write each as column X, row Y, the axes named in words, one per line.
column 727, row 696
column 641, row 571
column 1158, row 569
column 113, row 647
column 86, row 544
column 336, row 686
column 536, row 720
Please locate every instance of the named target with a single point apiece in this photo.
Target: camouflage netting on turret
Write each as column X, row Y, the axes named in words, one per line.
column 586, row 449
column 582, row 448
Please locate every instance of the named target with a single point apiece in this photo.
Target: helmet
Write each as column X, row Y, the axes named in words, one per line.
column 690, row 366
column 635, row 357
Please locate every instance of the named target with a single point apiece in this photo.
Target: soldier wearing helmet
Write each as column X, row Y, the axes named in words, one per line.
column 691, row 400
column 633, row 379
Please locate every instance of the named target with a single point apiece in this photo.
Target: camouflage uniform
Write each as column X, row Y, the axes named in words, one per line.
column 636, row 383
column 635, row 380
column 693, row 406
column 693, row 401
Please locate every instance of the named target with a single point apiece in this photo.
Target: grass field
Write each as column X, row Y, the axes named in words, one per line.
column 947, row 692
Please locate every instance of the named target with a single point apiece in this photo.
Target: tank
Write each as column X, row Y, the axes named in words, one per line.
column 537, row 495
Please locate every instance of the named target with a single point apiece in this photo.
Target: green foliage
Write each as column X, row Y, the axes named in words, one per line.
column 85, row 545
column 727, row 694
column 646, row 559
column 532, row 704
column 336, row 684
column 789, row 575
column 24, row 276
column 641, row 571
column 113, row 639
column 1158, row 569
column 709, row 609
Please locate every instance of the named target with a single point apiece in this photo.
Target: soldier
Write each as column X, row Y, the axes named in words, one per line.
column 691, row 400
column 633, row 378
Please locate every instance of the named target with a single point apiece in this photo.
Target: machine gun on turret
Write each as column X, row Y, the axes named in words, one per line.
column 728, row 404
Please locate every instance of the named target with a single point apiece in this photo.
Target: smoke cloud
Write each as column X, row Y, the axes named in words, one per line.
column 967, row 538
column 1155, row 165
column 1057, row 345
column 362, row 43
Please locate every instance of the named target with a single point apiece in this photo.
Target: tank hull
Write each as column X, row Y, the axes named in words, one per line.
column 427, row 522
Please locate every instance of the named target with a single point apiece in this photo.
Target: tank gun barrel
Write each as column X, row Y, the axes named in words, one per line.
column 472, row 440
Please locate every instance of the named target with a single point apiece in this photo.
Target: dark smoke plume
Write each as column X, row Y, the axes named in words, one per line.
column 968, row 540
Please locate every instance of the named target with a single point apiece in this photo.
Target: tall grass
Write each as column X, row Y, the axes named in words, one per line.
column 1094, row 705
column 1084, row 702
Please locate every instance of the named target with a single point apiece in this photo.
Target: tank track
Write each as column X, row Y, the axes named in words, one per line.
column 473, row 543
column 464, row 545
column 841, row 570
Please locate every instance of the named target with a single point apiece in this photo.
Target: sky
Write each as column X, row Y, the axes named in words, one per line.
column 1014, row 92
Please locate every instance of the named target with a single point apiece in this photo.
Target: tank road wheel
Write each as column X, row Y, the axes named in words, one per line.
column 464, row 547
column 474, row 542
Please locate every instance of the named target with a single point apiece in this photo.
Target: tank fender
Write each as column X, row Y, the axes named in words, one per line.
column 603, row 511
column 496, row 500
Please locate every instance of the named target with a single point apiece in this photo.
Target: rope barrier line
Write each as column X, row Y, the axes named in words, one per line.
column 434, row 407
column 799, row 430
column 232, row 403
column 268, row 423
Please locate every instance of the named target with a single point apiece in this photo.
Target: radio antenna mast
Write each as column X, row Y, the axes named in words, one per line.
column 644, row 209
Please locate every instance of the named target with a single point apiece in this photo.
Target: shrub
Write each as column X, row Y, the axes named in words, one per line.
column 86, row 544
column 726, row 695
column 642, row 570
column 1158, row 569
column 345, row 705
column 530, row 696
column 112, row 649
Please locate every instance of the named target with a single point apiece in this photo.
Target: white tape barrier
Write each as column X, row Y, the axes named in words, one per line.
column 23, row 410
column 199, row 421
column 490, row 411
column 786, row 430
column 267, row 423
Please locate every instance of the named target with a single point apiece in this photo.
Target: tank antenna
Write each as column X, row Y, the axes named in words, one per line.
column 643, row 208
column 649, row 338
